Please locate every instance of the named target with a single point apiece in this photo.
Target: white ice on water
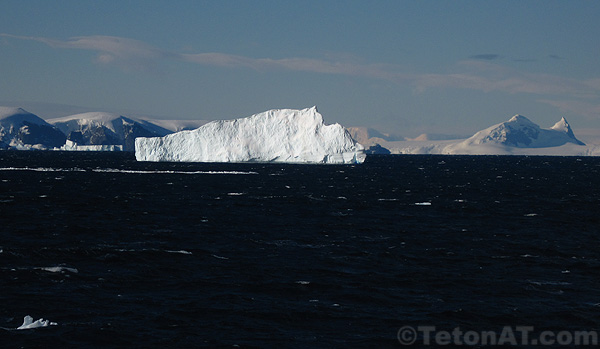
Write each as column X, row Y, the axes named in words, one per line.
column 28, row 323
column 279, row 135
column 60, row 270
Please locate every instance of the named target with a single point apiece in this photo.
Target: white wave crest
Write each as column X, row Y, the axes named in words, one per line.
column 114, row 170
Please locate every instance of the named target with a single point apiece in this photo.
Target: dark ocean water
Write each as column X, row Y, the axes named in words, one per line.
column 121, row 253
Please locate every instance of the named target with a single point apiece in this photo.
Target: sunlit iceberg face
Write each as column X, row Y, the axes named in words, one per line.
column 282, row 135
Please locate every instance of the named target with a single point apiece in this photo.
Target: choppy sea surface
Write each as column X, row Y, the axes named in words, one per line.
column 120, row 253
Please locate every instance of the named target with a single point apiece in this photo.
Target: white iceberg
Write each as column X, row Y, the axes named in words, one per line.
column 28, row 323
column 74, row 146
column 279, row 135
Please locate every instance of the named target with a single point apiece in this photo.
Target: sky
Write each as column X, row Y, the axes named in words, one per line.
column 403, row 67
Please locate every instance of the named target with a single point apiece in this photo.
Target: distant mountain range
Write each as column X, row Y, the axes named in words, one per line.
column 20, row 129
column 517, row 136
column 106, row 129
column 369, row 136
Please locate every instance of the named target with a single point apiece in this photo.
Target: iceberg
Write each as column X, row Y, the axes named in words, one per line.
column 278, row 135
column 28, row 323
column 73, row 146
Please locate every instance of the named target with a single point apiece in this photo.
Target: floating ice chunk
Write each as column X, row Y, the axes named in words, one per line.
column 60, row 269
column 180, row 251
column 423, row 203
column 28, row 323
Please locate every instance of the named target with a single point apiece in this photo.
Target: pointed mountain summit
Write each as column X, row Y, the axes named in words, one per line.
column 520, row 119
column 563, row 126
column 23, row 130
column 521, row 132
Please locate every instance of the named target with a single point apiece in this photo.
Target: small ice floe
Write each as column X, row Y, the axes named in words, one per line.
column 302, row 282
column 423, row 203
column 180, row 251
column 28, row 323
column 565, row 272
column 59, row 270
column 548, row 283
column 531, row 214
column 219, row 257
column 235, row 194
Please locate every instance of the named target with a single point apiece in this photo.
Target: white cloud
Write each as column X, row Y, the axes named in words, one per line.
column 486, row 76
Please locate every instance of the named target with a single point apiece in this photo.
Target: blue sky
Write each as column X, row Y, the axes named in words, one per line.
column 400, row 66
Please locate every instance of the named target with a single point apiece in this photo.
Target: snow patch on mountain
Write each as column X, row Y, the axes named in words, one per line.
column 434, row 137
column 180, row 125
column 279, row 135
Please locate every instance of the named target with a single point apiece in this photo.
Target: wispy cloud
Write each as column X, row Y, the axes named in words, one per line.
column 128, row 54
column 479, row 73
column 132, row 54
column 375, row 71
column 490, row 77
column 587, row 109
column 486, row 56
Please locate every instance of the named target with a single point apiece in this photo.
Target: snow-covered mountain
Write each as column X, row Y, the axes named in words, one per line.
column 280, row 135
column 520, row 132
column 21, row 129
column 517, row 136
column 98, row 128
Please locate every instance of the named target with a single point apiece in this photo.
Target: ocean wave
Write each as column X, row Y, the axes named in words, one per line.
column 115, row 170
